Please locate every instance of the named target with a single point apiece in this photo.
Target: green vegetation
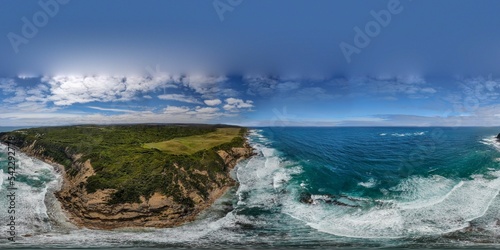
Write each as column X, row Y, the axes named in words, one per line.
column 125, row 158
column 195, row 143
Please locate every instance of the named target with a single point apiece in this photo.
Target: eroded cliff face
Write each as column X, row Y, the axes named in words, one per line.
column 93, row 210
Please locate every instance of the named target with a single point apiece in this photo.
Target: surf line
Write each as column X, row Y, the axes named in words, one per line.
column 11, row 190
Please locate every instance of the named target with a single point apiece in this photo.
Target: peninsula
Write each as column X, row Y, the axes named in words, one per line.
column 137, row 175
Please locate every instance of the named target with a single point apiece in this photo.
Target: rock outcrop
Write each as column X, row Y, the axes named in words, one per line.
column 93, row 210
column 233, row 156
column 498, row 137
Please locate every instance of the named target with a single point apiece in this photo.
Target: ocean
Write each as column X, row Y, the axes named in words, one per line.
column 308, row 187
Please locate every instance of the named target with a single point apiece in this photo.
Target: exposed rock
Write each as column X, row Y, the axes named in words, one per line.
column 341, row 200
column 235, row 155
column 306, row 198
column 498, row 137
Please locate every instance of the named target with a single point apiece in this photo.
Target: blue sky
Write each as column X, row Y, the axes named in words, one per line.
column 248, row 62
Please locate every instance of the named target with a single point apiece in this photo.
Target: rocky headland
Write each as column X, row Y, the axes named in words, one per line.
column 196, row 187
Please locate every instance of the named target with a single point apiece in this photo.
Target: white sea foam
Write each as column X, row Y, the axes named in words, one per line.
column 2, row 178
column 408, row 134
column 415, row 192
column 422, row 206
column 261, row 176
column 371, row 183
column 2, row 175
column 491, row 141
column 280, row 178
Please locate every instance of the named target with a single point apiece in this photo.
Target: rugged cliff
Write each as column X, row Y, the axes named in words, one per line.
column 186, row 184
column 94, row 211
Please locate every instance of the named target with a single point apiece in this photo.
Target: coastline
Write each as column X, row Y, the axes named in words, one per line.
column 81, row 210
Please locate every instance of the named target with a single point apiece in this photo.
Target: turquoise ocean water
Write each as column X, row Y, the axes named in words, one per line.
column 310, row 187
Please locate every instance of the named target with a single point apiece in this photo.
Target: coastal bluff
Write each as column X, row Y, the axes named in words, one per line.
column 137, row 175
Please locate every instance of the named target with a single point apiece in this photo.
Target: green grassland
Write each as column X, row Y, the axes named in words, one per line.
column 126, row 157
column 195, row 143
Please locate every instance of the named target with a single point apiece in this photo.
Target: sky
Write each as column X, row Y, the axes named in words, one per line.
column 250, row 62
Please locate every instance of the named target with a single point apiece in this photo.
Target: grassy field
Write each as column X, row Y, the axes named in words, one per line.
column 192, row 144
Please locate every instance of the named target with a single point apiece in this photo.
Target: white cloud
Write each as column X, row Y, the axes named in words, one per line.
column 428, row 90
column 19, row 95
column 207, row 110
column 213, row 102
column 37, row 94
column 27, row 76
column 24, row 99
column 7, row 85
column 260, row 85
column 411, row 79
column 200, row 80
column 67, row 90
column 206, row 113
column 193, row 114
column 179, row 98
column 411, row 86
column 287, row 86
column 46, row 103
column 234, row 105
column 204, row 84
column 176, row 110
column 480, row 89
column 112, row 109
column 265, row 85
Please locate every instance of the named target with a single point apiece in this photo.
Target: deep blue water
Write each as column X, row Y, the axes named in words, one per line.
column 337, row 160
column 316, row 188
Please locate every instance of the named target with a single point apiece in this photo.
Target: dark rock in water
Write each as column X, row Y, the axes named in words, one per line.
column 246, row 226
column 339, row 203
column 306, row 198
column 498, row 137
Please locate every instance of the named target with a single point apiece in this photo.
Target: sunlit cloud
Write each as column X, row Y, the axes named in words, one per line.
column 179, row 98
column 213, row 102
